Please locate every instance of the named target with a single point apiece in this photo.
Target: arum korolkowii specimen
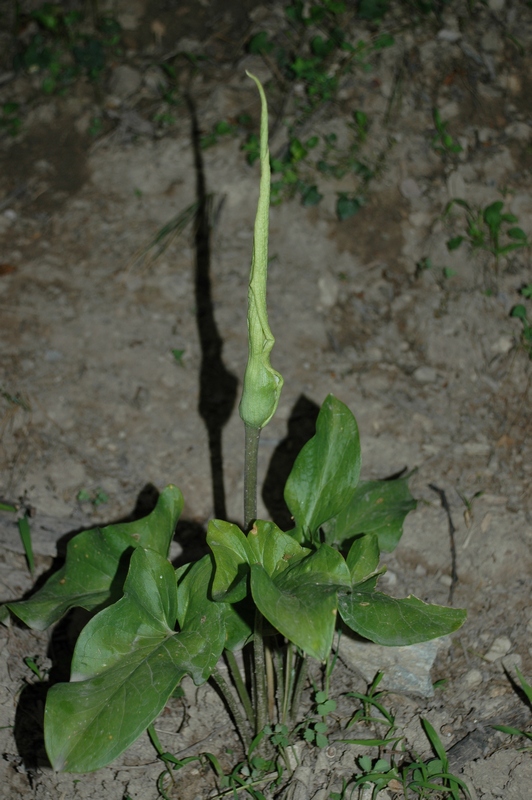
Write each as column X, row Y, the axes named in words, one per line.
column 262, row 384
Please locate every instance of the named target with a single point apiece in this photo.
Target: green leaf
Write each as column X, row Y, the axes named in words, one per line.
column 301, row 602
column 135, row 661
column 272, row 548
column 260, row 43
column 519, row 311
column 326, row 471
column 454, row 243
column 363, row 557
column 517, row 233
column 378, row 507
column 231, row 555
column 322, row 47
column 392, row 622
column 347, row 206
column 311, row 196
column 97, row 563
column 148, row 607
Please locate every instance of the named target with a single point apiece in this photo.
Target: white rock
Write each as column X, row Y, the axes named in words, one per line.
column 445, row 35
column 498, row 649
column 425, row 375
column 328, row 288
column 410, row 189
column 472, row 678
column 519, row 130
column 406, row 669
column 503, row 344
column 456, row 185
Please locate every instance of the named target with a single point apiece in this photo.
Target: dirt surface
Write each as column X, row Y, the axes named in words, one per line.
column 429, row 360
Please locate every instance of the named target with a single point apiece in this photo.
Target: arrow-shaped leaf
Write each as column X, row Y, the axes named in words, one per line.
column 134, row 660
column 301, row 602
column 378, row 507
column 389, row 621
column 97, row 562
column 326, row 470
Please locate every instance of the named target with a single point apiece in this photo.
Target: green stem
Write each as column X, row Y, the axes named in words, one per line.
column 251, row 454
column 240, row 687
column 288, row 682
column 240, row 721
column 261, row 699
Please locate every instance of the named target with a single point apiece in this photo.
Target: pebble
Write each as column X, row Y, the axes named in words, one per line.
column 491, row 42
column 425, row 375
column 498, row 649
column 519, row 131
column 473, row 678
column 503, row 344
column 328, row 289
column 410, row 189
column 124, row 81
column 456, row 185
column 445, row 35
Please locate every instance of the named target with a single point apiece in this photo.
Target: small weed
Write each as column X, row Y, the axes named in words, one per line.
column 61, row 52
column 520, row 312
column 422, row 778
column 489, row 230
column 96, row 127
column 443, row 142
column 10, row 120
column 178, row 356
column 527, row 689
column 221, row 129
column 97, row 497
column 33, row 663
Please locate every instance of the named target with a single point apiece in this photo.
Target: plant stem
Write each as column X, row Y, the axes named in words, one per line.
column 250, row 474
column 270, row 682
column 240, row 722
column 240, row 687
column 288, row 682
column 261, row 700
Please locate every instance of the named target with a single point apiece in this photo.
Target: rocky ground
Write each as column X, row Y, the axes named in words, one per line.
column 106, row 368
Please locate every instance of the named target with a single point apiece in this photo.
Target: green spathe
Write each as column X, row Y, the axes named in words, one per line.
column 262, row 384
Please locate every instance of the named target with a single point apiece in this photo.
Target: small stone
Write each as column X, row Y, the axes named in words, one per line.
column 425, row 375
column 67, row 474
column 446, row 580
column 53, row 355
column 410, row 189
column 491, row 42
column 519, row 131
column 503, row 344
column 498, row 649
column 124, row 81
column 473, row 678
column 446, row 35
column 328, row 288
column 510, row 662
column 477, row 448
column 456, row 185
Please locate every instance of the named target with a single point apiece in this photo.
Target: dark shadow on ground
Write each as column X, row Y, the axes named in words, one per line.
column 218, row 386
column 301, row 427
